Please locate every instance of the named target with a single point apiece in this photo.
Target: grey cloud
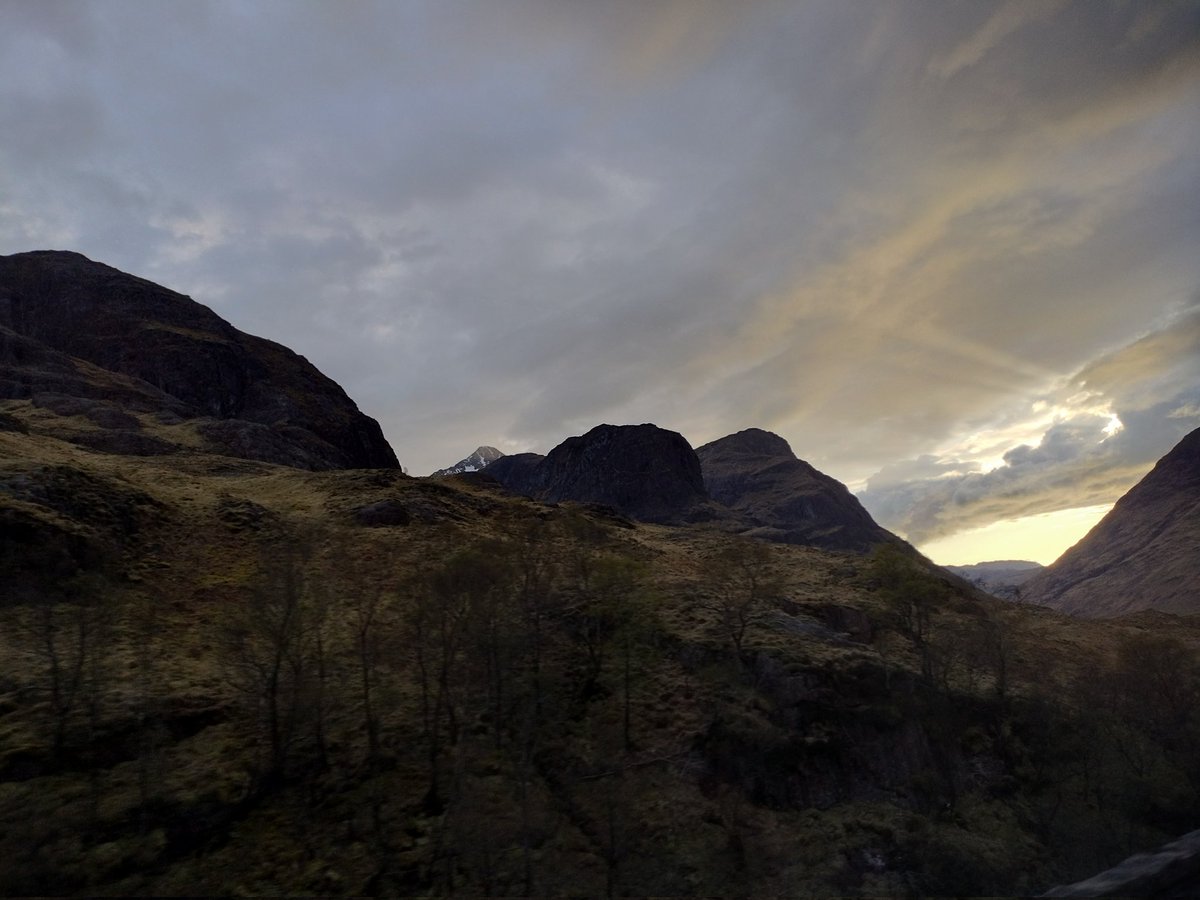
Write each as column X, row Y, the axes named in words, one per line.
column 864, row 227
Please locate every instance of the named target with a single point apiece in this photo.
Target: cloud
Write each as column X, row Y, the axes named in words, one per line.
column 876, row 231
column 1007, row 19
column 1149, row 395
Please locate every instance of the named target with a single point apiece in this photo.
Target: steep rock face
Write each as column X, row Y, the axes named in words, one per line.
column 755, row 473
column 78, row 328
column 482, row 458
column 644, row 471
column 1145, row 554
column 519, row 472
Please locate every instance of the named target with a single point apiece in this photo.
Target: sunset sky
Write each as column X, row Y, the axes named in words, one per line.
column 949, row 250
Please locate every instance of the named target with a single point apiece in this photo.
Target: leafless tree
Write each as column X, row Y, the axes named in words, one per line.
column 739, row 582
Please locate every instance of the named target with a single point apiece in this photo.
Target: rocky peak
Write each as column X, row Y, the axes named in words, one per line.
column 752, row 442
column 480, row 459
column 80, row 329
column 643, row 471
column 755, row 473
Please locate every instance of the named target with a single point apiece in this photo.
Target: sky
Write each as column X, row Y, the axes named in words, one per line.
column 948, row 249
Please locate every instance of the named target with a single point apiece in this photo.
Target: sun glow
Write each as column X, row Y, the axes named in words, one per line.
column 1041, row 538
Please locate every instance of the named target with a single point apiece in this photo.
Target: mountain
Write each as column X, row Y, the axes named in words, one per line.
column 1000, row 578
column 756, row 474
column 121, row 365
column 519, row 472
column 480, row 459
column 223, row 676
column 643, row 471
column 1143, row 555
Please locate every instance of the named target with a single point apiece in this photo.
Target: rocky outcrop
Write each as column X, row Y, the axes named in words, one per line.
column 76, row 328
column 643, row 471
column 482, row 458
column 755, row 474
column 1145, row 554
column 1170, row 871
column 520, row 473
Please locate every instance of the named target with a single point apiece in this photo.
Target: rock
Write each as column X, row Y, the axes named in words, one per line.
column 642, row 471
column 119, row 442
column 755, row 473
column 847, row 620
column 385, row 513
column 1143, row 555
column 519, row 472
column 12, row 423
column 1171, row 871
column 77, row 328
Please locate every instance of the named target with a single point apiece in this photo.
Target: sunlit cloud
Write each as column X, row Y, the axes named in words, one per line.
column 1108, row 424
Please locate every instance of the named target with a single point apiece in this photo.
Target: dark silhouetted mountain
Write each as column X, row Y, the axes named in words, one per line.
column 480, row 459
column 755, row 473
column 644, row 471
column 1143, row 555
column 519, row 472
column 96, row 346
column 1000, row 578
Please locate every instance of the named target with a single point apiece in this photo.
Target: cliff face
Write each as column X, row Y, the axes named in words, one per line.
column 755, row 473
column 1145, row 554
column 76, row 329
column 519, row 472
column 644, row 471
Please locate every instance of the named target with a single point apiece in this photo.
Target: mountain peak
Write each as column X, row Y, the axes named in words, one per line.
column 643, row 471
column 84, row 339
column 752, row 442
column 756, row 474
column 481, row 458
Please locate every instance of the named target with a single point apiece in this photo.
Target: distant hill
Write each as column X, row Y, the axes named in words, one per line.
column 119, row 364
column 756, row 474
column 480, row 459
column 1143, row 555
column 1000, row 578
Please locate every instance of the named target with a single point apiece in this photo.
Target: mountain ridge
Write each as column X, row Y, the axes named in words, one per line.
column 755, row 473
column 73, row 330
column 1143, row 555
column 479, row 459
column 644, row 471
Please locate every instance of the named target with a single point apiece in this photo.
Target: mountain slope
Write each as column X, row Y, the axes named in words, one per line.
column 91, row 344
column 755, row 473
column 1143, row 555
column 482, row 458
column 590, row 668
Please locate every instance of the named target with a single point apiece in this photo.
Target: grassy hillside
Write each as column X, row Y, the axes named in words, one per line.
column 220, row 676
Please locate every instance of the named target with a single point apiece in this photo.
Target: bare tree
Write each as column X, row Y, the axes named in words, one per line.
column 438, row 623
column 913, row 597
column 740, row 581
column 275, row 646
column 69, row 637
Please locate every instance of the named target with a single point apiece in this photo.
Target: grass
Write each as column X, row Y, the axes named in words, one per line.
column 817, row 765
